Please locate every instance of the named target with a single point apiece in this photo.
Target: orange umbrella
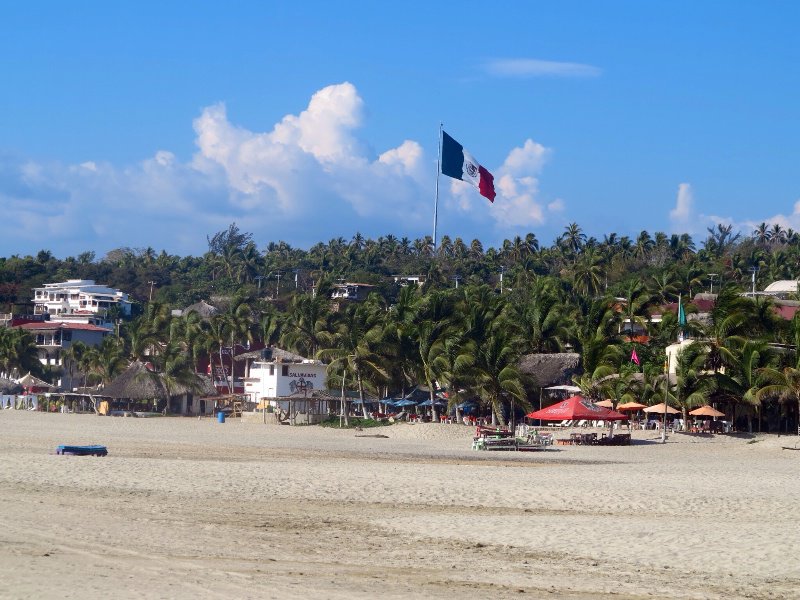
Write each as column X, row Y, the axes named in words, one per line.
column 605, row 403
column 706, row 411
column 659, row 409
column 631, row 406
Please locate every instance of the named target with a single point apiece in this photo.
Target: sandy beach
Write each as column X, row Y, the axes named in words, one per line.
column 188, row 508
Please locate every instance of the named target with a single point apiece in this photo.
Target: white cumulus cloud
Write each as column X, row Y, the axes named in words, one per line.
column 309, row 178
column 517, row 205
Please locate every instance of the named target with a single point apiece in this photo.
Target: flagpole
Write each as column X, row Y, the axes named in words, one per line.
column 436, row 201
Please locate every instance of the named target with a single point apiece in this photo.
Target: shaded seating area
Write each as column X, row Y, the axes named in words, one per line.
column 591, row 439
column 498, row 438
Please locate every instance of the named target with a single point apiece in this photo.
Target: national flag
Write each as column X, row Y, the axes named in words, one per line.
column 681, row 313
column 635, row 357
column 460, row 164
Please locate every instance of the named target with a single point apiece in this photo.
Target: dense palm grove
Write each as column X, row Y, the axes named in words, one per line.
column 465, row 329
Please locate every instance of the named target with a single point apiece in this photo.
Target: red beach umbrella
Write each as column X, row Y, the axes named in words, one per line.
column 576, row 408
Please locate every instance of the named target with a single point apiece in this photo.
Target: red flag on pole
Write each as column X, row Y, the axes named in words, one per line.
column 635, row 357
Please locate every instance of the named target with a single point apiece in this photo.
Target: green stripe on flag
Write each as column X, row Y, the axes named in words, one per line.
column 452, row 157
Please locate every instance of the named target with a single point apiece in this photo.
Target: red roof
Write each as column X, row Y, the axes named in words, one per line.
column 48, row 325
column 787, row 312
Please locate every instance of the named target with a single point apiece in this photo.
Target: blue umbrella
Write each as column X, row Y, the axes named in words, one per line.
column 428, row 403
column 405, row 403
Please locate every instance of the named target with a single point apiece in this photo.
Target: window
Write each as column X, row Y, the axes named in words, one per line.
column 272, row 369
column 66, row 336
column 285, row 370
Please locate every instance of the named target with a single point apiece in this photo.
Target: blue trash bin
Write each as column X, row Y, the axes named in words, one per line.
column 221, row 417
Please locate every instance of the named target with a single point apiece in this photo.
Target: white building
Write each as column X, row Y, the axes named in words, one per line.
column 79, row 301
column 280, row 374
column 351, row 291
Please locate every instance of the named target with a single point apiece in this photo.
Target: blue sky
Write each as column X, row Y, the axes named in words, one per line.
column 157, row 124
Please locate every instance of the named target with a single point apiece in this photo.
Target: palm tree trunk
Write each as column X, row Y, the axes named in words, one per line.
column 434, row 414
column 361, row 394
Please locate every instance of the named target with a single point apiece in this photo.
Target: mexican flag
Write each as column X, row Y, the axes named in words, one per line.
column 460, row 164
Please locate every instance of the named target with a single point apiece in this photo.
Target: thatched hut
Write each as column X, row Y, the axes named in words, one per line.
column 202, row 308
column 9, row 388
column 140, row 388
column 33, row 385
column 550, row 369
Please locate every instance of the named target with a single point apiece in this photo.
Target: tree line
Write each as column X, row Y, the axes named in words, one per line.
column 462, row 329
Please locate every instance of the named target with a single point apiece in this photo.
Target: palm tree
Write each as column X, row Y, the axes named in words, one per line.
column 724, row 332
column 693, row 386
column 541, row 319
column 18, row 352
column 358, row 345
column 73, row 357
column 433, row 324
column 634, row 310
column 495, row 377
column 173, row 370
column 782, row 384
column 573, row 238
column 740, row 381
column 308, row 326
column 107, row 360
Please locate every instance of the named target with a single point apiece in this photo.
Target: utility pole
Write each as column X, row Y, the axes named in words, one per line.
column 152, row 283
column 711, row 276
column 457, row 278
column 259, row 278
column 502, row 270
column 277, row 285
column 754, row 270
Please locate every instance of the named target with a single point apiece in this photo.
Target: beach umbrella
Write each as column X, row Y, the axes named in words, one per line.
column 576, row 408
column 438, row 403
column 406, row 402
column 633, row 406
column 606, row 403
column 659, row 409
column 706, row 411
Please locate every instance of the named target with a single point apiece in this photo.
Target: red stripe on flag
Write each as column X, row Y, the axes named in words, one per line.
column 486, row 185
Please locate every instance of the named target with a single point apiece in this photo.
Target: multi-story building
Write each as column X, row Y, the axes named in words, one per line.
column 79, row 301
column 53, row 338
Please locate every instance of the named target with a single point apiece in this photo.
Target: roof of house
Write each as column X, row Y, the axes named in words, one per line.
column 52, row 325
column 138, row 382
column 202, row 308
column 788, row 286
column 278, row 355
column 29, row 381
column 550, row 369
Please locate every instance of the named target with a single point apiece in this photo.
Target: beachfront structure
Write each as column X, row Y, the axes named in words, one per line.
column 53, row 338
column 79, row 301
column 141, row 389
column 273, row 374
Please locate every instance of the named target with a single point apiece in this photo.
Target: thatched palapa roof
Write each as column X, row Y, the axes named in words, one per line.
column 278, row 355
column 8, row 387
column 550, row 369
column 202, row 308
column 140, row 383
column 30, row 381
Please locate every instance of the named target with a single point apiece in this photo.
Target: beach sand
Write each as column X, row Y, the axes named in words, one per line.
column 188, row 508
